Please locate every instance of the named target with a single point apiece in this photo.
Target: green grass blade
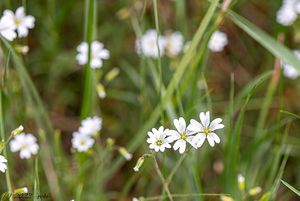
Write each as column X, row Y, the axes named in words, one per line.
column 36, row 189
column 273, row 46
column 291, row 187
column 291, row 114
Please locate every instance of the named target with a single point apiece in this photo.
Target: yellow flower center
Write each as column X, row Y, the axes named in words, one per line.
column 17, row 21
column 82, row 143
column 24, row 146
column 183, row 136
column 159, row 142
column 206, row 131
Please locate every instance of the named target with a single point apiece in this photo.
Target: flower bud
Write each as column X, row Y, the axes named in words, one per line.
column 101, row 91
column 255, row 191
column 110, row 142
column 226, row 198
column 241, row 182
column 111, row 75
column 139, row 164
column 17, row 130
column 123, row 151
column 21, row 190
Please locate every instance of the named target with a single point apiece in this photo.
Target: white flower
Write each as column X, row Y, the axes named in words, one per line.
column 147, row 44
column 287, row 13
column 82, row 142
column 174, row 43
column 7, row 27
column 91, row 125
column 158, row 139
column 21, row 21
column 217, row 41
column 98, row 53
column 3, row 166
column 181, row 136
column 26, row 144
column 135, row 199
column 205, row 129
column 289, row 70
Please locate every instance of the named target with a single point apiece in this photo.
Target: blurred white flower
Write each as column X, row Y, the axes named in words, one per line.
column 158, row 139
column 26, row 144
column 290, row 71
column 3, row 166
column 123, row 151
column 147, row 44
column 98, row 53
column 205, row 129
column 174, row 44
column 288, row 12
column 217, row 41
column 82, row 142
column 181, row 136
column 21, row 21
column 7, row 27
column 241, row 181
column 91, row 125
column 135, row 199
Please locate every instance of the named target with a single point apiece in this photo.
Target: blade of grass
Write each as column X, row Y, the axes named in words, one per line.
column 88, row 89
column 181, row 68
column 297, row 192
column 273, row 46
column 36, row 189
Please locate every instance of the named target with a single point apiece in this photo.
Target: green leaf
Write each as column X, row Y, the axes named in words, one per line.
column 291, row 187
column 5, row 196
column 265, row 40
column 265, row 197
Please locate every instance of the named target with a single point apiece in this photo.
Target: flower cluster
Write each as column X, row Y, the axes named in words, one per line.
column 83, row 139
column 3, row 162
column 195, row 134
column 171, row 44
column 98, row 53
column 289, row 70
column 26, row 144
column 217, row 41
column 288, row 12
column 19, row 22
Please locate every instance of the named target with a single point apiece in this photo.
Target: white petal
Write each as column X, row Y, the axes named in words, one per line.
column 177, row 144
column 104, row 54
column 96, row 63
column 210, row 140
column 22, row 31
column 216, row 124
column 9, row 34
column 20, row 13
column 215, row 137
column 191, row 141
column 29, row 21
column 182, row 147
column 204, row 120
column 194, row 127
column 201, row 139
column 180, row 124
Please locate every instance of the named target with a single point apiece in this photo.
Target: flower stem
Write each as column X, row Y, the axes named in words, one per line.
column 163, row 180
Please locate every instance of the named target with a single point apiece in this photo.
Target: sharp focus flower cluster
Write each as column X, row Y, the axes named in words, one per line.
column 26, row 144
column 19, row 22
column 289, row 70
column 98, row 53
column 217, row 41
column 171, row 44
column 194, row 134
column 288, row 12
column 83, row 139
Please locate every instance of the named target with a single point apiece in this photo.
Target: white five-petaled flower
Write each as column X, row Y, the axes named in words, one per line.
column 7, row 27
column 147, row 44
column 158, row 139
column 289, row 70
column 174, row 44
column 21, row 21
column 26, row 144
column 98, row 53
column 288, row 12
column 205, row 129
column 91, row 125
column 3, row 166
column 81, row 142
column 181, row 136
column 217, row 41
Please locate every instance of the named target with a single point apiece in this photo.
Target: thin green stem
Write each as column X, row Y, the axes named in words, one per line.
column 185, row 196
column 163, row 180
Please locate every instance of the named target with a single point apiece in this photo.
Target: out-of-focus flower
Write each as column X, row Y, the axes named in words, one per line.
column 125, row 153
column 98, row 53
column 101, row 91
column 241, row 181
column 139, row 163
column 21, row 190
column 217, row 41
column 3, row 162
column 158, row 139
column 288, row 12
column 81, row 142
column 181, row 136
column 226, row 198
column 22, row 22
column 290, row 71
column 26, row 144
column 174, row 44
column 147, row 44
column 205, row 129
column 7, row 27
column 90, row 126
